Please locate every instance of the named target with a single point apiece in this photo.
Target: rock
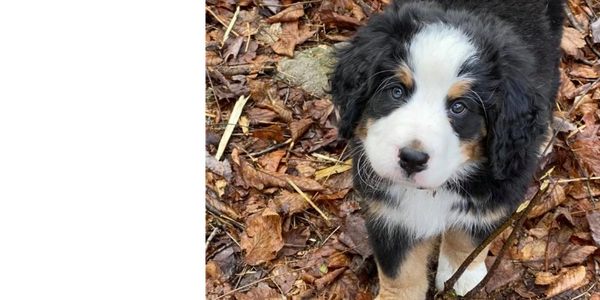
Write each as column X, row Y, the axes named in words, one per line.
column 308, row 69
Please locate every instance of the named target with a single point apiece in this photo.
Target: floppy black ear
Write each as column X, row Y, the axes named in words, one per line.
column 516, row 124
column 348, row 84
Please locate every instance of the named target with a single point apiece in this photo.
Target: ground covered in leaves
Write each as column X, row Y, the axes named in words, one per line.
column 282, row 219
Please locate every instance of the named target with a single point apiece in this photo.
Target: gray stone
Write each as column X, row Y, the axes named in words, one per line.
column 308, row 69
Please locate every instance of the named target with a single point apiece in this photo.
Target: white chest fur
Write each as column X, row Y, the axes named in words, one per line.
column 425, row 213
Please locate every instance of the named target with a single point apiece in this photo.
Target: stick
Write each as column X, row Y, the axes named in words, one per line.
column 233, row 119
column 309, row 201
column 230, row 27
column 219, row 20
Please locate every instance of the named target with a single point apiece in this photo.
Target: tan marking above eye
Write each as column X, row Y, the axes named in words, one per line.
column 363, row 127
column 405, row 76
column 459, row 89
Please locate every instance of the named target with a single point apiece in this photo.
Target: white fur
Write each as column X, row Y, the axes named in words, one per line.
column 425, row 215
column 469, row 279
column 435, row 56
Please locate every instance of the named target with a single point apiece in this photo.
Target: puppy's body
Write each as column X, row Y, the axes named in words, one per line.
column 447, row 104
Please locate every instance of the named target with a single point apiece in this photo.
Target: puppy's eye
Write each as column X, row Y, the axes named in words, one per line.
column 397, row 92
column 458, row 108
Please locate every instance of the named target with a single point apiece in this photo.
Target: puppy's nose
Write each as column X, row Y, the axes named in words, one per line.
column 413, row 161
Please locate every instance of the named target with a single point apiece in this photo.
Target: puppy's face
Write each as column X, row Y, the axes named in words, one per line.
column 424, row 122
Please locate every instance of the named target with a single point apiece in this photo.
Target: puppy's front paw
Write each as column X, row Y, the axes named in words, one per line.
column 469, row 279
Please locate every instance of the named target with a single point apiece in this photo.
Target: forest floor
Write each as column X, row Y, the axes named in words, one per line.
column 282, row 219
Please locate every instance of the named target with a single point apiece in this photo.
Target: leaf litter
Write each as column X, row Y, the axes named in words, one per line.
column 265, row 240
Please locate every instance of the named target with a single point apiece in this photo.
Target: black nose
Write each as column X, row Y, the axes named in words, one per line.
column 413, row 161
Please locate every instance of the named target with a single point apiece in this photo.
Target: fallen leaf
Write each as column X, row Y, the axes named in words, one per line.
column 298, row 128
column 233, row 48
column 345, row 286
column 288, row 39
column 571, row 42
column 295, row 240
column 583, row 71
column 290, row 203
column 292, row 13
column 212, row 58
column 328, row 278
column 270, row 162
column 262, row 238
column 505, row 274
column 355, row 235
column 593, row 218
column 272, row 132
column 284, row 277
column 569, row 280
column 221, row 168
column 596, row 31
column 256, row 115
column 555, row 198
column 589, row 152
column 545, row 278
column 575, row 254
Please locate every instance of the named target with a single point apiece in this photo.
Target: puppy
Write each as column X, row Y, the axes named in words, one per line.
column 446, row 104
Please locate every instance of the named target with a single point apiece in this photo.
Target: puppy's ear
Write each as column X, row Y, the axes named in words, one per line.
column 516, row 124
column 349, row 83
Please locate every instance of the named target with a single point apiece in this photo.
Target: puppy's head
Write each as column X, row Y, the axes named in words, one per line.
column 431, row 96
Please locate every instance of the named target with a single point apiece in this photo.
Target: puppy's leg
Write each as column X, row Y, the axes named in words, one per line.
column 401, row 263
column 456, row 246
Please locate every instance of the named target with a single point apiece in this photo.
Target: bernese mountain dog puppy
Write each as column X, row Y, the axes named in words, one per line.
column 447, row 105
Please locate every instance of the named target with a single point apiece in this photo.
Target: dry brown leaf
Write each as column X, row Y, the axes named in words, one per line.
column 556, row 198
column 212, row 58
column 256, row 115
column 571, row 42
column 271, row 161
column 595, row 296
column 290, row 203
column 290, row 14
column 261, row 291
column 284, row 113
column 262, row 238
column 295, row 240
column 272, row 132
column 569, row 280
column 284, row 277
column 545, row 278
column 506, row 273
column 345, row 286
column 288, row 39
column 358, row 12
column 575, row 254
column 567, row 87
column 298, row 128
column 593, row 218
column 222, row 207
column 588, row 151
column 583, row 71
column 355, row 235
column 322, row 282
column 338, row 260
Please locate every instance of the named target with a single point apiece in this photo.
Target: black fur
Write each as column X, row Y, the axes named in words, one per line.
column 517, row 79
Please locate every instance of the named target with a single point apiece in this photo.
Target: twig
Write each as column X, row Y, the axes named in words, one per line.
column 219, row 20
column 233, row 119
column 212, row 87
column 591, row 46
column 230, row 27
column 217, row 213
column 211, row 236
column 572, row 19
column 223, row 247
column 519, row 223
column 309, row 201
column 276, row 146
column 245, row 286
column 449, row 284
column 327, row 238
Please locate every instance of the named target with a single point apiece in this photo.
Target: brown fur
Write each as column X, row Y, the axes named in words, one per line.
column 412, row 282
column 459, row 89
column 456, row 247
column 404, row 74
